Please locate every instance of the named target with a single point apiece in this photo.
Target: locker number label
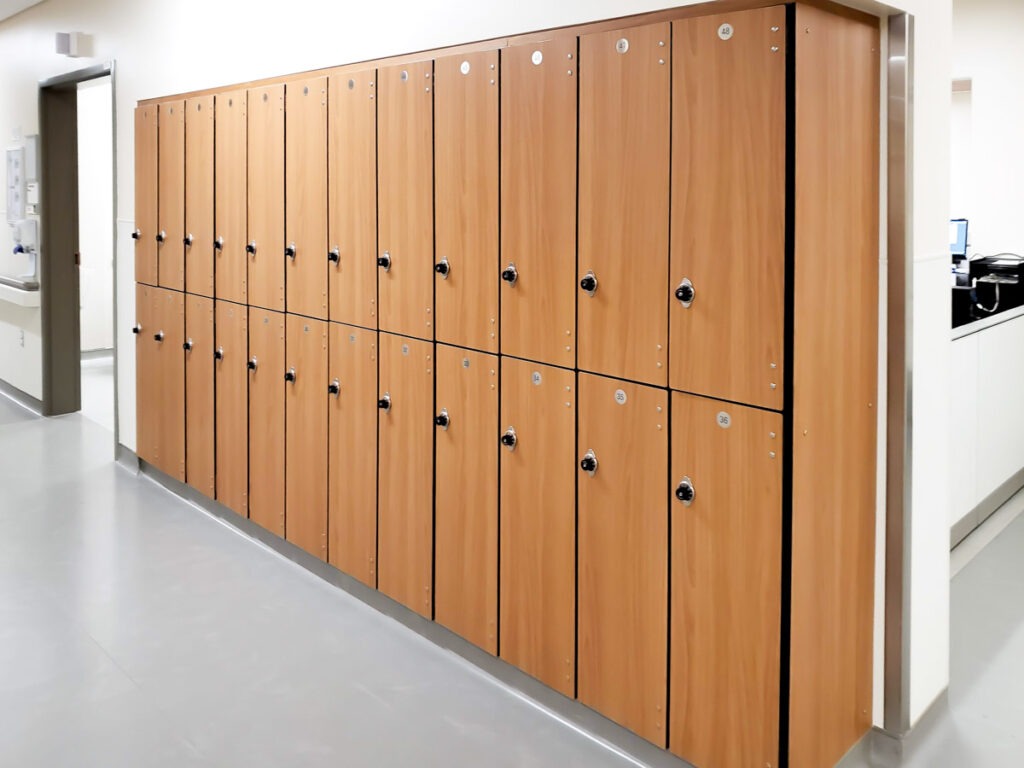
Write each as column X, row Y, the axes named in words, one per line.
column 725, row 32
column 405, row 349
column 536, row 378
column 465, row 362
column 537, row 58
column 620, row 396
column 724, row 420
column 622, row 45
column 464, row 68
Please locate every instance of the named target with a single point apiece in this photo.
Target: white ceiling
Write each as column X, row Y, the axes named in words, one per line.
column 9, row 8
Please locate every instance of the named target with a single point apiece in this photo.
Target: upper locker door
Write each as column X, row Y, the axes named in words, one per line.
column 726, row 485
column 200, row 446
column 352, row 196
column 231, row 203
column 405, row 163
column 352, row 455
column 405, row 517
column 625, row 91
column 171, row 200
column 466, row 184
column 232, row 413
column 306, row 197
column 538, row 522
column 266, row 419
column 147, row 401
column 466, row 495
column 729, row 206
column 623, row 553
column 169, row 382
column 199, row 141
column 538, row 201
column 265, row 111
column 145, row 194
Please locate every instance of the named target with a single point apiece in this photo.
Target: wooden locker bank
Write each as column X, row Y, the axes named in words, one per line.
column 566, row 341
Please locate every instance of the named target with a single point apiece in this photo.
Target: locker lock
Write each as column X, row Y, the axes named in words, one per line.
column 251, row 364
column 443, row 268
column 289, row 375
column 161, row 236
column 589, row 462
column 187, row 240
column 442, row 420
column 685, row 292
column 289, row 250
column 218, row 244
column 589, row 283
column 384, row 261
column 510, row 274
column 137, row 329
column 137, row 234
column 685, row 492
column 251, row 247
column 218, row 353
column 509, row 439
column 385, row 402
column 334, row 388
column 334, row 255
column 158, row 336
column 187, row 346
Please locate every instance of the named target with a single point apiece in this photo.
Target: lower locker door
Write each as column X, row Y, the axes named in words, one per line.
column 352, row 452
column 405, row 471
column 623, row 553
column 146, row 400
column 169, row 366
column 199, row 396
column 306, row 396
column 266, row 419
column 726, row 487
column 538, row 522
column 466, row 495
column 232, row 415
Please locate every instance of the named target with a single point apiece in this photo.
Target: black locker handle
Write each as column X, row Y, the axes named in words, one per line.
column 685, row 491
column 187, row 346
column 334, row 255
column 158, row 336
column 589, row 283
column 161, row 236
column 251, row 247
column 289, row 250
column 385, row 402
column 137, row 329
column 443, row 268
column 509, row 438
column 589, row 462
column 187, row 240
column 384, row 261
column 289, row 375
column 218, row 244
column 686, row 293
column 137, row 234
column 442, row 419
column 218, row 353
column 334, row 388
column 510, row 274
column 251, row 364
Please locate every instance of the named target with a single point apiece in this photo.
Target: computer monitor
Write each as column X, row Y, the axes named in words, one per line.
column 958, row 239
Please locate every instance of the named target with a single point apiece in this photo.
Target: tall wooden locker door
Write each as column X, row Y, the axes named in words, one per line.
column 265, row 154
column 306, row 197
column 147, row 402
column 466, row 194
column 623, row 553
column 726, row 500
column 538, row 201
column 405, row 183
column 538, row 522
column 727, row 300
column 146, row 195
column 306, row 434
column 466, row 495
column 199, row 237
column 405, row 550
column 352, row 198
column 231, row 198
column 171, row 197
column 266, row 419
column 352, row 453
column 232, row 414
column 168, row 384
column 625, row 92
column 200, row 446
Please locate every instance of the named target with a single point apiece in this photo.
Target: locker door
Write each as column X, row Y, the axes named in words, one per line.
column 538, row 201
column 538, row 522
column 266, row 419
column 726, row 487
column 406, row 203
column 406, row 433
column 352, row 476
column 232, row 414
column 169, row 368
column 231, row 192
column 200, row 445
column 466, row 184
column 145, row 194
column 623, row 553
column 306, row 441
column 265, row 111
column 171, row 199
column 199, row 236
column 146, row 399
column 306, row 197
column 466, row 495
column 623, row 208
column 729, row 207
column 352, row 193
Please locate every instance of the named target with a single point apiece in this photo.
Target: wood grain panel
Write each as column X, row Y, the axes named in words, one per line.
column 537, row 602
column 538, row 200
column 266, row 420
column 352, row 196
column 835, row 353
column 729, row 206
column 146, row 170
column 306, row 197
column 466, row 194
column 306, row 435
column 406, row 510
column 726, row 583
column 146, row 402
column 623, row 554
column 265, row 152
column 169, row 384
column 171, row 200
column 466, row 496
column 232, row 417
column 231, row 263
column 200, row 444
column 199, row 195
column 352, row 472
column 405, row 183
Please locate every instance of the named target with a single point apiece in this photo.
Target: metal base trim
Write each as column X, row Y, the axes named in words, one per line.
column 967, row 524
column 881, row 749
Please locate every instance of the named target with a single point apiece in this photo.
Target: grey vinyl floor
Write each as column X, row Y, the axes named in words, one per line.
column 98, row 388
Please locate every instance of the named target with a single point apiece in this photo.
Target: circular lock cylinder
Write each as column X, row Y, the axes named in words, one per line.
column 685, row 491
